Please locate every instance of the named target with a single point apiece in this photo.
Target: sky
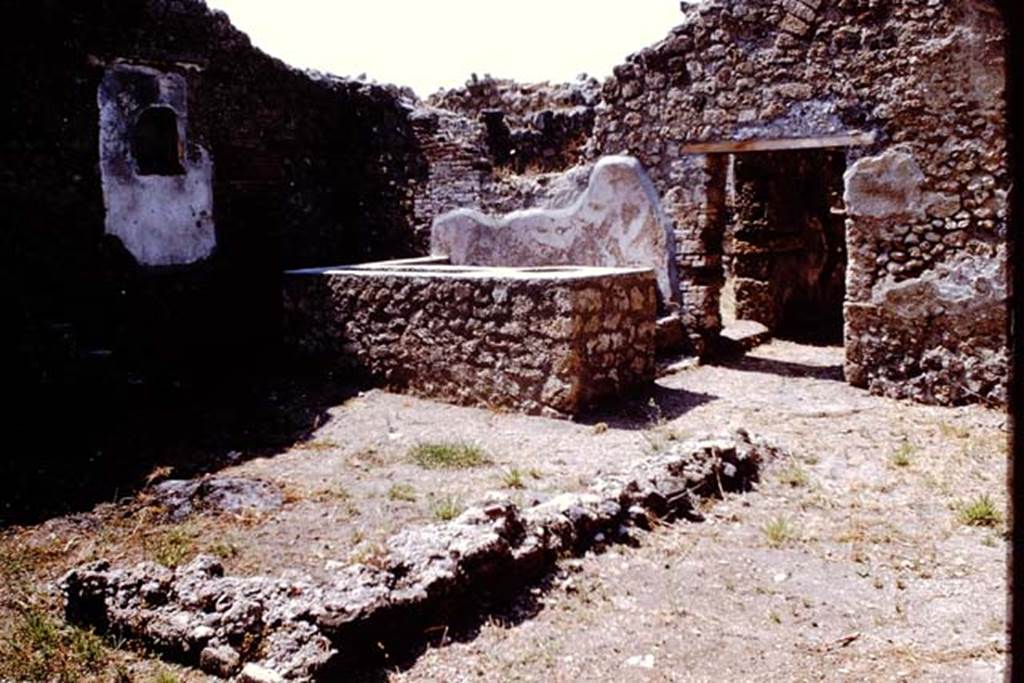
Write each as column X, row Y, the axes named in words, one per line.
column 429, row 44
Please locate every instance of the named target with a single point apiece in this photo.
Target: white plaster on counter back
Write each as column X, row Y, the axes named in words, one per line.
column 617, row 221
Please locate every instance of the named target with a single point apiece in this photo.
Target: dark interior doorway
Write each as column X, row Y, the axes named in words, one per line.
column 785, row 242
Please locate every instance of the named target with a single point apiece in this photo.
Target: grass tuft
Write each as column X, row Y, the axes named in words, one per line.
column 980, row 511
column 172, row 546
column 319, row 445
column 777, row 532
column 403, row 492
column 333, row 492
column 446, row 509
column 39, row 648
column 370, row 554
column 902, row 456
column 951, row 431
column 513, row 479
column 448, row 455
column 793, row 476
column 225, row 550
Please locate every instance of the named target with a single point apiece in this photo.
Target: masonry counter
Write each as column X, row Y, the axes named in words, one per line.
column 546, row 340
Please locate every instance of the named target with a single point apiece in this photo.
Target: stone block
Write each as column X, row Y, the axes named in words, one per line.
column 793, row 25
column 885, row 185
column 799, row 10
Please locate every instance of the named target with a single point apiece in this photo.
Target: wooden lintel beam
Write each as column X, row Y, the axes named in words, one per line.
column 855, row 139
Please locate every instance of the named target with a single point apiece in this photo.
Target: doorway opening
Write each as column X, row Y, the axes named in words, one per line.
column 784, row 246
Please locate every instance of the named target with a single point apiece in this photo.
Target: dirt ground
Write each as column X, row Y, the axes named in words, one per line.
column 855, row 559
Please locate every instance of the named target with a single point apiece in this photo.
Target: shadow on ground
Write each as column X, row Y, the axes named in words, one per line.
column 748, row 363
column 96, row 441
column 646, row 409
column 509, row 605
column 378, row 661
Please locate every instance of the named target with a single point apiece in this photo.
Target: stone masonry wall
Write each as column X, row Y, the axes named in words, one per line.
column 463, row 171
column 926, row 76
column 531, row 127
column 296, row 159
column 306, row 170
column 520, row 102
column 539, row 342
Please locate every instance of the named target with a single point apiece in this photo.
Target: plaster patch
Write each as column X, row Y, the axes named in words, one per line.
column 161, row 219
column 617, row 221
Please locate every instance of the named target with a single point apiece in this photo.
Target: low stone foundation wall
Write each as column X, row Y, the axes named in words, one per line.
column 300, row 629
column 539, row 340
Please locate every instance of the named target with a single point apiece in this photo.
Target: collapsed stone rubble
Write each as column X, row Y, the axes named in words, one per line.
column 267, row 629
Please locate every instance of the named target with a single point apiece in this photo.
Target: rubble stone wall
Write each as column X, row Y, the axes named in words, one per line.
column 306, row 170
column 520, row 102
column 304, row 629
column 499, row 146
column 925, row 76
column 297, row 158
column 541, row 340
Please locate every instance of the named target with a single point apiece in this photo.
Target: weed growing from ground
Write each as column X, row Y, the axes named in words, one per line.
column 655, row 415
column 403, row 492
column 39, row 648
column 777, row 532
column 17, row 565
column 335, row 492
column 980, row 511
column 171, row 547
column 370, row 554
column 448, row 455
column 319, row 445
column 223, row 549
column 793, row 475
column 513, row 479
column 951, row 431
column 659, row 438
column 902, row 456
column 166, row 677
column 446, row 509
